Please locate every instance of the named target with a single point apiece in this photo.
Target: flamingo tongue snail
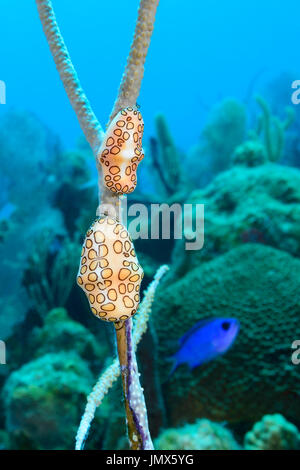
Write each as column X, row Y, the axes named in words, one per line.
column 109, row 271
column 121, row 151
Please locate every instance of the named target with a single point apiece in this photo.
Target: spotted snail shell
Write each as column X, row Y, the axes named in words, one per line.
column 121, row 151
column 109, row 271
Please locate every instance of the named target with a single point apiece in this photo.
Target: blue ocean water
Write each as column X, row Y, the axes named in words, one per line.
column 200, row 52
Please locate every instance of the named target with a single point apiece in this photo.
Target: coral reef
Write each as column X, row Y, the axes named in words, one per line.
column 165, row 182
column 259, row 286
column 168, row 162
column 202, row 435
column 250, row 206
column 50, row 274
column 4, row 440
column 273, row 432
column 43, row 401
column 164, row 174
column 224, row 131
column 250, row 153
column 42, row 398
column 245, row 205
column 60, row 332
column 248, row 268
column 110, row 375
column 20, row 130
column 273, row 129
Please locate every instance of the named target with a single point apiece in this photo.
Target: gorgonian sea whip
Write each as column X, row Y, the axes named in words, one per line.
column 109, row 270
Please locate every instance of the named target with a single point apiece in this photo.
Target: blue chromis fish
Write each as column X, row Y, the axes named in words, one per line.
column 205, row 341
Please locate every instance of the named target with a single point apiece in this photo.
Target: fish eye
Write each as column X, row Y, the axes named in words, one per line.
column 225, row 325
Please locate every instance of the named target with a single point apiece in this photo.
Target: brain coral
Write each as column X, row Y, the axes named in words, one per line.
column 44, row 399
column 273, row 432
column 260, row 286
column 260, row 205
column 202, row 435
column 250, row 153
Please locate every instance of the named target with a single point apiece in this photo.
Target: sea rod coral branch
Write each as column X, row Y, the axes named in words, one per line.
column 86, row 117
column 88, row 122
column 133, row 75
column 109, row 201
column 138, row 434
column 111, row 374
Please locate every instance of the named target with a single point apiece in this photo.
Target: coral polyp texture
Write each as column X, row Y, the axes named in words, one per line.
column 273, row 432
column 202, row 435
column 109, row 271
column 246, row 205
column 121, row 151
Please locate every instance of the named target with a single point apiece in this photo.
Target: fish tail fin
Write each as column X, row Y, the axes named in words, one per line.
column 174, row 366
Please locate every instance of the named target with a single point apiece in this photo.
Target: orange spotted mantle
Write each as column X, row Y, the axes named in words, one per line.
column 109, row 272
column 121, row 151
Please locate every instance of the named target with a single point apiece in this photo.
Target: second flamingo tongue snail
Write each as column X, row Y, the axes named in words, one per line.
column 109, row 271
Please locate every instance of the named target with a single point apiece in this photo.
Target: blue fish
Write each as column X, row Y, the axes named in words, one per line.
column 205, row 341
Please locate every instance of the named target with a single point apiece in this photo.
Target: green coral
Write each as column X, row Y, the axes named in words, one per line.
column 224, row 131
column 273, row 432
column 4, row 440
column 202, row 435
column 44, row 401
column 259, row 286
column 260, row 205
column 63, row 352
column 164, row 173
column 168, row 158
column 250, row 153
column 29, row 164
column 273, row 129
column 49, row 277
column 60, row 332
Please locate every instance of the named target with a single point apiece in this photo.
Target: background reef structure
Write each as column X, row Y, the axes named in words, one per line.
column 248, row 267
column 255, row 203
column 108, row 266
column 259, row 286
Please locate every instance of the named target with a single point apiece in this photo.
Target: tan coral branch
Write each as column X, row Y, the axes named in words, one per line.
column 134, row 436
column 86, row 117
column 132, row 78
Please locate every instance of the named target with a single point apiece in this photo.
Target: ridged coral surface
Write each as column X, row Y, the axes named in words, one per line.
column 273, row 432
column 41, row 399
column 260, row 286
column 202, row 435
column 246, row 205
